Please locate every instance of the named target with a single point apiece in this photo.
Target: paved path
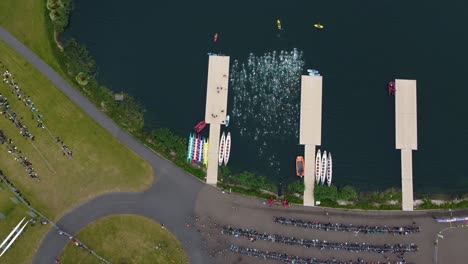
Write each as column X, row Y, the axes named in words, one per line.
column 170, row 200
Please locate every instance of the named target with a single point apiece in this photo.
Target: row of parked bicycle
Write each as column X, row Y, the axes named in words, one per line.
column 315, row 243
column 285, row 258
column 366, row 229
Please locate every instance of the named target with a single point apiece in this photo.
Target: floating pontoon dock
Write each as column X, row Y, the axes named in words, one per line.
column 310, row 131
column 216, row 107
column 406, row 135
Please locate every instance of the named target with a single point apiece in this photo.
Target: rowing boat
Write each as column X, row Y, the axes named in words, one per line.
column 195, row 148
column 323, row 170
column 190, row 148
column 200, row 150
column 300, row 166
column 318, row 162
column 227, row 148
column 200, row 126
column 205, row 152
column 329, row 169
column 222, row 142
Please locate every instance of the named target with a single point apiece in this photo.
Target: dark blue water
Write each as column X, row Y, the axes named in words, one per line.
column 157, row 53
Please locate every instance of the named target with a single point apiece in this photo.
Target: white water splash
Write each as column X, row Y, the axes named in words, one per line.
column 266, row 91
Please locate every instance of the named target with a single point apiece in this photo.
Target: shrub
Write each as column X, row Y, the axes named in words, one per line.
column 82, row 79
column 296, row 187
column 323, row 192
column 347, row 193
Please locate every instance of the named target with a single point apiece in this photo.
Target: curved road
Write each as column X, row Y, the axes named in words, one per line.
column 170, row 200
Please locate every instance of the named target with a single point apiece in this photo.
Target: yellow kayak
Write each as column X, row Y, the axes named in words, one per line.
column 205, row 153
column 318, row 25
column 278, row 24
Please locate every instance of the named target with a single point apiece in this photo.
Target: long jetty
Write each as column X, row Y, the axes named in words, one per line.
column 215, row 111
column 310, row 131
column 406, row 135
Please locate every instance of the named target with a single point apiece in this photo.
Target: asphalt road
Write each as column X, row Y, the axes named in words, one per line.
column 170, row 200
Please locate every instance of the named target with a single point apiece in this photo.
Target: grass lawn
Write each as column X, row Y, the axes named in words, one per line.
column 26, row 244
column 100, row 163
column 27, row 21
column 125, row 239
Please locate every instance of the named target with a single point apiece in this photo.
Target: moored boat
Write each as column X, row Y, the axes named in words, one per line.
column 318, row 162
column 205, row 152
column 329, row 169
column 215, row 37
column 196, row 141
column 200, row 150
column 227, row 120
column 190, row 148
column 200, row 126
column 391, row 88
column 227, row 148
column 222, row 142
column 323, row 169
column 300, row 167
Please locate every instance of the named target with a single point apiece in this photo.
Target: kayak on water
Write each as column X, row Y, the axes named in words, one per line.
column 215, row 38
column 278, row 24
column 318, row 25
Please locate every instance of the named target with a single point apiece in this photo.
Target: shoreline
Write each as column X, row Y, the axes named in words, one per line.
column 200, row 174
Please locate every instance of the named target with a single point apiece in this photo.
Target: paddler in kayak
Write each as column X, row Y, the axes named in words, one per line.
column 318, row 26
column 215, row 38
column 278, row 24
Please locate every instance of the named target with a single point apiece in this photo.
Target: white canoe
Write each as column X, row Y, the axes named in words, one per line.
column 227, row 148
column 323, row 170
column 318, row 162
column 329, row 169
column 222, row 142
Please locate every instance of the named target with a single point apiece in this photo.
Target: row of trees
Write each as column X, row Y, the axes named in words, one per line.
column 81, row 65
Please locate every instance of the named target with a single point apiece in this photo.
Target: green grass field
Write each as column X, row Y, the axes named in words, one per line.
column 100, row 163
column 27, row 21
column 125, row 239
column 25, row 244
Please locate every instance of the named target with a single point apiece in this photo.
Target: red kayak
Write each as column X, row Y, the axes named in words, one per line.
column 391, row 88
column 200, row 126
column 215, row 38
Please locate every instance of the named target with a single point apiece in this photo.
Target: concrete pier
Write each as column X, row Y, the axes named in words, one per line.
column 310, row 131
column 406, row 135
column 216, row 108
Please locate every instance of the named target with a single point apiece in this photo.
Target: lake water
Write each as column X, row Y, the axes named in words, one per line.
column 157, row 52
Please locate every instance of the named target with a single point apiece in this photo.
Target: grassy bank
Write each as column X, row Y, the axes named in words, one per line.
column 100, row 163
column 126, row 239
